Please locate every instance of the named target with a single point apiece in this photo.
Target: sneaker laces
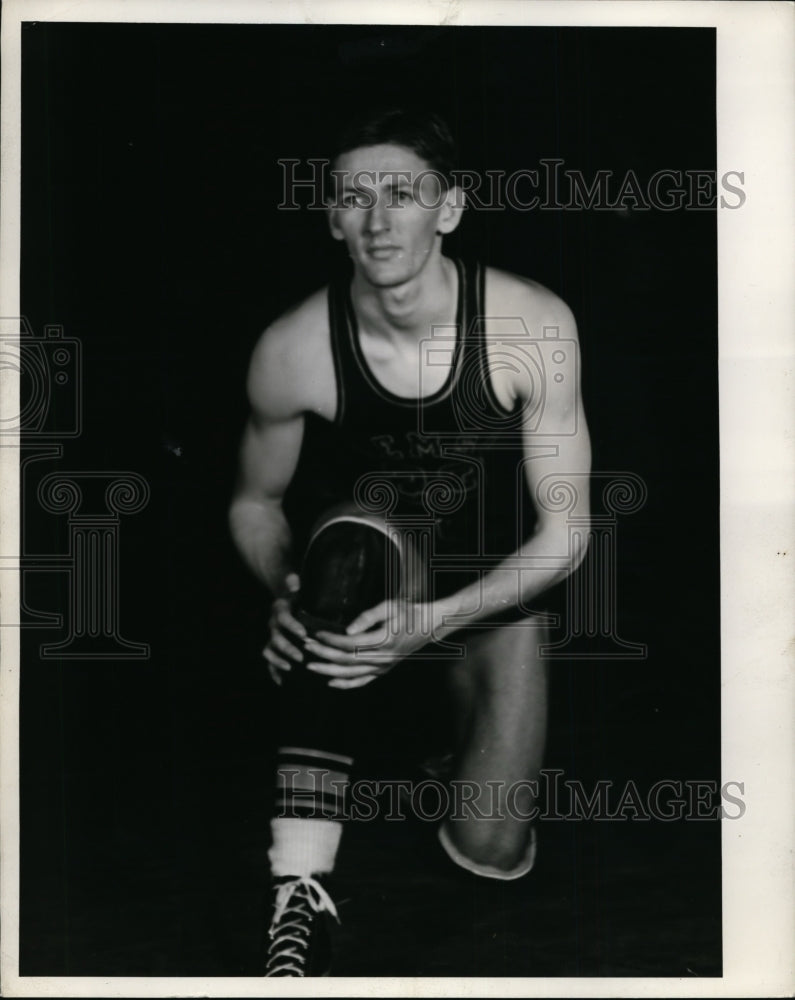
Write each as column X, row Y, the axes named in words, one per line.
column 319, row 902
column 291, row 924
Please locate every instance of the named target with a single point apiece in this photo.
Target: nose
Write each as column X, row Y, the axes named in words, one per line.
column 377, row 217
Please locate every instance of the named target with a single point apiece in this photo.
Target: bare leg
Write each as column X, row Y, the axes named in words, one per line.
column 500, row 692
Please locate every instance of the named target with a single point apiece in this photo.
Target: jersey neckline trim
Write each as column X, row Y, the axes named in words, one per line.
column 352, row 330
column 483, row 351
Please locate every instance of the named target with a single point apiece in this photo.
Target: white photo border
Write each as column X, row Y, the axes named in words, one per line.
column 756, row 135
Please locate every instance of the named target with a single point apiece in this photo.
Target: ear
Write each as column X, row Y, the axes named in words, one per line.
column 451, row 211
column 332, row 214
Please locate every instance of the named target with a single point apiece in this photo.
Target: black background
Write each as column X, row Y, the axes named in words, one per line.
column 151, row 233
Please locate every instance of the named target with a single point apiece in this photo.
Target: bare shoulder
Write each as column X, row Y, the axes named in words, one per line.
column 513, row 295
column 288, row 359
column 533, row 317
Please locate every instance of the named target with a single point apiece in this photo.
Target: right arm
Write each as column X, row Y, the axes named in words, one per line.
column 268, row 459
column 256, row 518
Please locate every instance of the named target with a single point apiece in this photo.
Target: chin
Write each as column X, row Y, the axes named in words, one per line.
column 390, row 273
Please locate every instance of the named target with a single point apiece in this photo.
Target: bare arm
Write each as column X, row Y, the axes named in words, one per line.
column 545, row 558
column 268, row 458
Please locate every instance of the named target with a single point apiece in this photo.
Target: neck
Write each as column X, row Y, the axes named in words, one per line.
column 402, row 310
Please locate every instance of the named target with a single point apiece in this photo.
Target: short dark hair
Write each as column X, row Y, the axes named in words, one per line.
column 424, row 132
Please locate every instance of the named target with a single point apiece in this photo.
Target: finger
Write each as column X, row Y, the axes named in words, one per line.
column 369, row 618
column 334, row 670
column 349, row 643
column 292, row 583
column 285, row 618
column 357, row 683
column 321, row 652
column 279, row 642
column 274, row 660
column 275, row 675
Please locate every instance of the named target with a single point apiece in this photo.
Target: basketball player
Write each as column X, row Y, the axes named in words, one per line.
column 415, row 390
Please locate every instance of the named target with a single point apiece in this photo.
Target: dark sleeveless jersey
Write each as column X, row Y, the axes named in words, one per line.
column 448, row 466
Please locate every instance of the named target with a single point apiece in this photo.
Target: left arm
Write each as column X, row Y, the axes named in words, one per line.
column 544, row 559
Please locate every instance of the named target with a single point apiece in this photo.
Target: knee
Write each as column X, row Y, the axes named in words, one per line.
column 493, row 845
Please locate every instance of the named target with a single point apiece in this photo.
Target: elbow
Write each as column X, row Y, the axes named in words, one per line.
column 573, row 551
column 579, row 548
column 237, row 514
column 247, row 512
column 233, row 518
column 232, row 511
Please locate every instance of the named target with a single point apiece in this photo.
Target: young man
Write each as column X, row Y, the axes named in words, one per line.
column 440, row 402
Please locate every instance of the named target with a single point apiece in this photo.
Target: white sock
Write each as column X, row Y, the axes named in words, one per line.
column 303, row 847
column 488, row 871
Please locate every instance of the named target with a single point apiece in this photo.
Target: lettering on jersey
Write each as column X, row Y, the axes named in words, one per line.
column 427, row 456
column 414, row 445
column 386, row 444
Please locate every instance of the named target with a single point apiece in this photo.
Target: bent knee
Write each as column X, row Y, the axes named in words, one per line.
column 491, row 844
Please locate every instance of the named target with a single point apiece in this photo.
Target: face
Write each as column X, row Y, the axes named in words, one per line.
column 391, row 211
